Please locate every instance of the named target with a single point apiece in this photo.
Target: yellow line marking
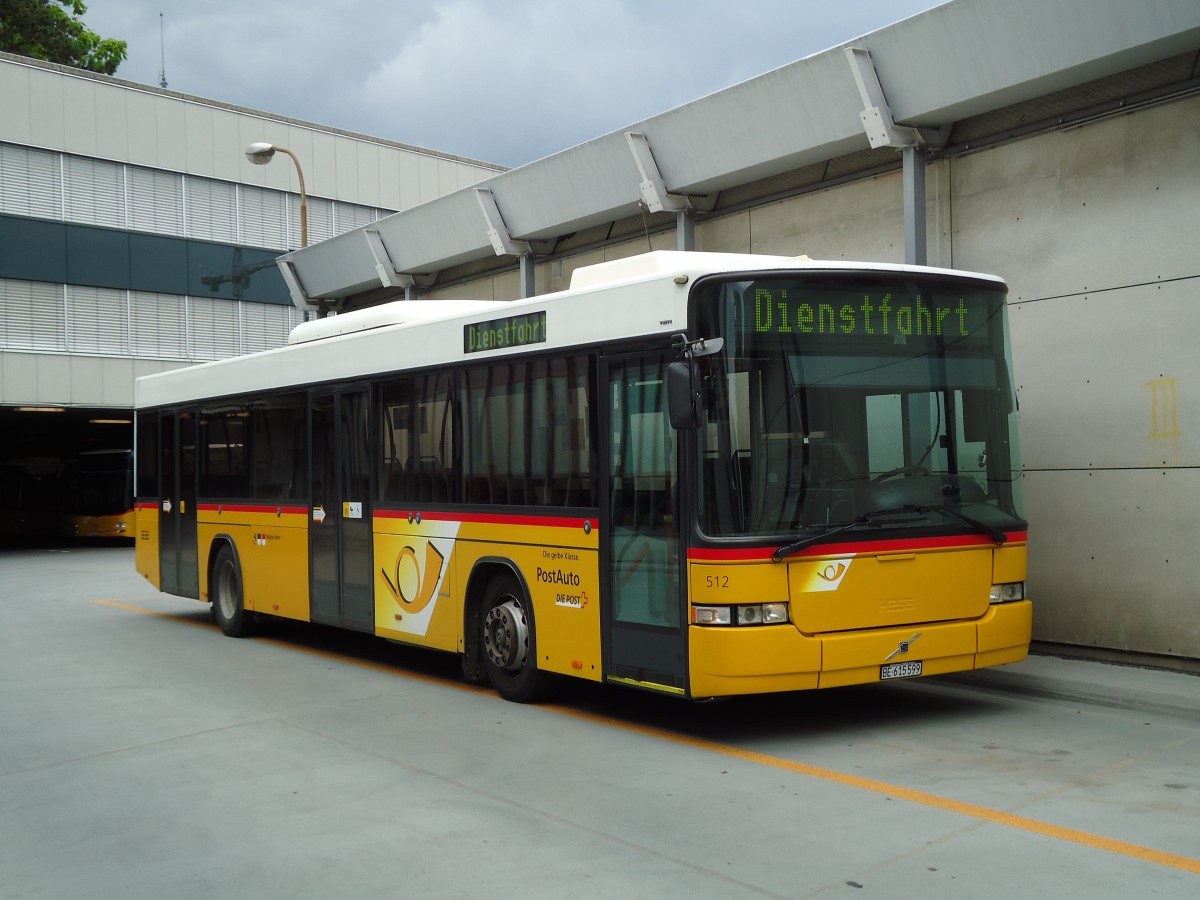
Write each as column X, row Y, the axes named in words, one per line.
column 117, row 604
column 1023, row 823
column 973, row 810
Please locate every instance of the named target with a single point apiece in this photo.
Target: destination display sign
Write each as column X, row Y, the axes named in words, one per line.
column 501, row 334
column 881, row 314
column 868, row 315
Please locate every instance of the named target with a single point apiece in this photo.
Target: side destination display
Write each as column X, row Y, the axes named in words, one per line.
column 498, row 334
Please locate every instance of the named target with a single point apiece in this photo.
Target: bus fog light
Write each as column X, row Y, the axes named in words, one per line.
column 1007, row 593
column 750, row 615
column 774, row 613
column 760, row 613
column 711, row 615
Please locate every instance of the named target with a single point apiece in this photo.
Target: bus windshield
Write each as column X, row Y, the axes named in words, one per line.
column 842, row 396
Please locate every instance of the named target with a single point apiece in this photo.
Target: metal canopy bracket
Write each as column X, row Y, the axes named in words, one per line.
column 384, row 267
column 502, row 242
column 882, row 131
column 292, row 280
column 881, row 128
column 654, row 188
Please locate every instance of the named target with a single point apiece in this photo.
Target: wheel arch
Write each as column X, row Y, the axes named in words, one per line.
column 482, row 572
column 215, row 546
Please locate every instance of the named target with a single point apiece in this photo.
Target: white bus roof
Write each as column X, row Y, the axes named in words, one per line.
column 642, row 295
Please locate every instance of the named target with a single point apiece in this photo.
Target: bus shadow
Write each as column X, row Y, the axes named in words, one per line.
column 363, row 649
column 734, row 720
column 763, row 718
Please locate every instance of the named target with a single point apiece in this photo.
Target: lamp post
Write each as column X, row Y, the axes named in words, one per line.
column 260, row 154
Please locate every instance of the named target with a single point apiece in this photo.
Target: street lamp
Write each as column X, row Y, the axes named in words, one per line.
column 260, row 154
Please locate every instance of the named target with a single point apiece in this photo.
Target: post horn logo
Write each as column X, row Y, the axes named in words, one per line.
column 831, row 572
column 412, row 586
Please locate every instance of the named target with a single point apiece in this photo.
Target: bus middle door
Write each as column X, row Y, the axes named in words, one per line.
column 177, row 549
column 339, row 526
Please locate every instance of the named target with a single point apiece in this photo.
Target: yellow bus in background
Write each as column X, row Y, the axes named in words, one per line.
column 98, row 495
column 694, row 473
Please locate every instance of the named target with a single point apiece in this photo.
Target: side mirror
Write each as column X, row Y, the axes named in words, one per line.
column 683, row 400
column 685, row 405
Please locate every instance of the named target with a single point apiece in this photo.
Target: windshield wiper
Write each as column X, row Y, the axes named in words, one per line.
column 997, row 536
column 870, row 519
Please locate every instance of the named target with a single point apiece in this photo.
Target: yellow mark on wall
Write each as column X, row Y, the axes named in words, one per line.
column 1165, row 411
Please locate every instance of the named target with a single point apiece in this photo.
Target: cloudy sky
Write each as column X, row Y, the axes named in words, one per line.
column 505, row 82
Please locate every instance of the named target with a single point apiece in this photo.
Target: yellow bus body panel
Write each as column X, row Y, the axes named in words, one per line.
column 145, row 548
column 1004, row 634
column 417, row 598
column 726, row 583
column 893, row 588
column 272, row 548
column 869, row 607
column 424, row 567
column 726, row 661
column 1009, row 562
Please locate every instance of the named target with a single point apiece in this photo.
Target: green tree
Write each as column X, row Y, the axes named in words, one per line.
column 51, row 30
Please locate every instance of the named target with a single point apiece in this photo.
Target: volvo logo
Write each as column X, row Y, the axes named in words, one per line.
column 903, row 648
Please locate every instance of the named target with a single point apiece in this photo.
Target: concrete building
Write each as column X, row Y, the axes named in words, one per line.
column 135, row 236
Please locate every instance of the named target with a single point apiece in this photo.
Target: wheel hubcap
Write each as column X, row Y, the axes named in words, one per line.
column 506, row 635
column 225, row 591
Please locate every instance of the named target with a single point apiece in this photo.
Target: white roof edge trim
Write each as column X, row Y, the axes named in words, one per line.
column 666, row 263
column 400, row 312
column 638, row 307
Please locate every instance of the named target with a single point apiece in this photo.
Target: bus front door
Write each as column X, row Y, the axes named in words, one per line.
column 644, row 624
column 177, row 550
column 339, row 528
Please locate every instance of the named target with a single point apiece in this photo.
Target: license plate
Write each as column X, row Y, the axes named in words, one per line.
column 900, row 670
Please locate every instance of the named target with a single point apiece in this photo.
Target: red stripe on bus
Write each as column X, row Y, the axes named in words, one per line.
column 255, row 508
column 877, row 546
column 487, row 518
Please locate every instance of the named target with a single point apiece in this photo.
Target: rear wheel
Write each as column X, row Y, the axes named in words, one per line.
column 509, row 643
column 229, row 608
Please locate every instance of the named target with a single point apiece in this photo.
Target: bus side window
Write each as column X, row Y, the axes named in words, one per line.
column 223, row 467
column 277, row 447
column 417, row 440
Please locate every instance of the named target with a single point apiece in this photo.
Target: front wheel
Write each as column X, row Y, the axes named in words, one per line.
column 509, row 643
column 229, row 609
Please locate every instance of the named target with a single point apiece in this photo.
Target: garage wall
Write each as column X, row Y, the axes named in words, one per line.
column 1095, row 228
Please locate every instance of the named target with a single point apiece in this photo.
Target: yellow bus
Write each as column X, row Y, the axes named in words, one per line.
column 694, row 473
column 98, row 500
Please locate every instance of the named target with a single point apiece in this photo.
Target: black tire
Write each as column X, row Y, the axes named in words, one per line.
column 508, row 643
column 225, row 588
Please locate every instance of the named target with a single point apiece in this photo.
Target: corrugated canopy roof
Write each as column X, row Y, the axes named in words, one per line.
column 964, row 59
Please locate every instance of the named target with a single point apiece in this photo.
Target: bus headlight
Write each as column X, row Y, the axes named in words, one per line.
column 742, row 614
column 1007, row 593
